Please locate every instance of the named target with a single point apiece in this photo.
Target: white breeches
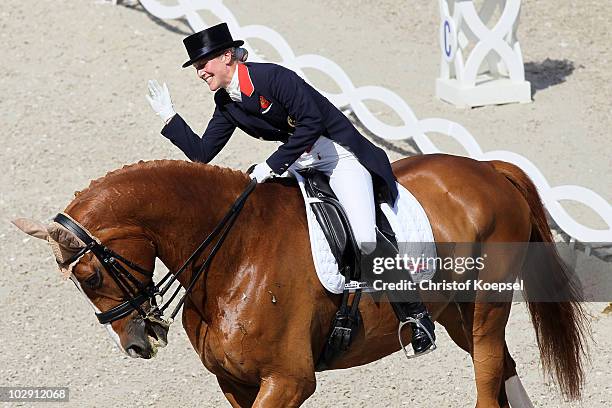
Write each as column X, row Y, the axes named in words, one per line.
column 351, row 183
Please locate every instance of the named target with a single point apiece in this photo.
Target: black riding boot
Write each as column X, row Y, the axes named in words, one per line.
column 407, row 305
column 406, row 312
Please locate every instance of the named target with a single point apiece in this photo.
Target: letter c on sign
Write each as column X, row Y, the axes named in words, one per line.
column 448, row 39
column 447, row 48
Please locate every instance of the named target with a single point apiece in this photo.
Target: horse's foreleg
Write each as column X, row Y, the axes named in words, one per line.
column 238, row 395
column 284, row 391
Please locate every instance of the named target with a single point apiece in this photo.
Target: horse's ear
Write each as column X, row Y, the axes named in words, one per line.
column 32, row 227
column 66, row 239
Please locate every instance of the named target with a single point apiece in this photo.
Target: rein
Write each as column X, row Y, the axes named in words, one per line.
column 152, row 292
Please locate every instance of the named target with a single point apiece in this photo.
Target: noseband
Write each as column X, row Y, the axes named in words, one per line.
column 122, row 277
column 152, row 292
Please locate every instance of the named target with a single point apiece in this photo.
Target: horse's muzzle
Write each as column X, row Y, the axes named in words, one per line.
column 145, row 337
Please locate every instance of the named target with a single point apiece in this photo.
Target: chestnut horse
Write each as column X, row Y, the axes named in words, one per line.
column 259, row 317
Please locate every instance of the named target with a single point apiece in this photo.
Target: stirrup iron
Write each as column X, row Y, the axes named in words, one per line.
column 399, row 335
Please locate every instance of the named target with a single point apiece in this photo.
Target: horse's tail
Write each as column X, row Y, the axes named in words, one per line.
column 560, row 326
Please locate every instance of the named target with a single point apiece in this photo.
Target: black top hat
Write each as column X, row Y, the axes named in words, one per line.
column 208, row 42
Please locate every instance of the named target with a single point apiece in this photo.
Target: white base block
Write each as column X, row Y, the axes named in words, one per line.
column 486, row 92
column 517, row 396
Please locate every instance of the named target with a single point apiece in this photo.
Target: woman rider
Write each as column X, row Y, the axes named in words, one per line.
column 271, row 102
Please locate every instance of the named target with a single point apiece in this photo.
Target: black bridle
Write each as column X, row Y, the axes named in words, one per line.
column 134, row 291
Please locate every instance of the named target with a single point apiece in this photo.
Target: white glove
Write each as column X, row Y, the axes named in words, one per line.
column 159, row 99
column 261, row 172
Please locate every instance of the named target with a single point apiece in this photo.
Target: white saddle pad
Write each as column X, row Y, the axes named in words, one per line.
column 408, row 220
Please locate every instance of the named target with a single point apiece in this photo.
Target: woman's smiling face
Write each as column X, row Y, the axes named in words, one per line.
column 215, row 71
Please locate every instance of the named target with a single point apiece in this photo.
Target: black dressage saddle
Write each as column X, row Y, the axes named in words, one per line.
column 337, row 230
column 335, row 224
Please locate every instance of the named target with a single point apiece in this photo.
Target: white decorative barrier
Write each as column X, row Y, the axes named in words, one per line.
column 493, row 72
column 353, row 97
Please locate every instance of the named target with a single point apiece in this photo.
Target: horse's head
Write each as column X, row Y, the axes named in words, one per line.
column 114, row 271
column 109, row 236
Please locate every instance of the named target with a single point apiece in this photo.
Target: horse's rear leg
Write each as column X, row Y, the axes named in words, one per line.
column 513, row 393
column 457, row 319
column 492, row 362
column 489, row 351
column 509, row 372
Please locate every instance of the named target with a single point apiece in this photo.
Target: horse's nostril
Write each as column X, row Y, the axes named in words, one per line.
column 142, row 350
column 134, row 351
column 139, row 350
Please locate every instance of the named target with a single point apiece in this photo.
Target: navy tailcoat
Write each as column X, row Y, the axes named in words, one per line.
column 279, row 105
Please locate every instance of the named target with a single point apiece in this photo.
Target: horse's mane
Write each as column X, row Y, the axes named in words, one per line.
column 160, row 170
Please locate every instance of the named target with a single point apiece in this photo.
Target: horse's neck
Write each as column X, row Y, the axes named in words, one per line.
column 181, row 232
column 172, row 204
column 185, row 222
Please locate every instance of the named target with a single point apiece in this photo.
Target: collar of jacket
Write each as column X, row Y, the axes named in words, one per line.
column 244, row 78
column 233, row 89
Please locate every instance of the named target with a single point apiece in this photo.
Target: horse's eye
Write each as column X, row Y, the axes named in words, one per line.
column 94, row 281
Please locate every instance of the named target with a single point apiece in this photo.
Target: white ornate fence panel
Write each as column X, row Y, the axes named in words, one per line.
column 493, row 72
column 353, row 97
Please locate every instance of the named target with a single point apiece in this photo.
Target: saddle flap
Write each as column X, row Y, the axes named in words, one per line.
column 329, row 213
column 335, row 224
